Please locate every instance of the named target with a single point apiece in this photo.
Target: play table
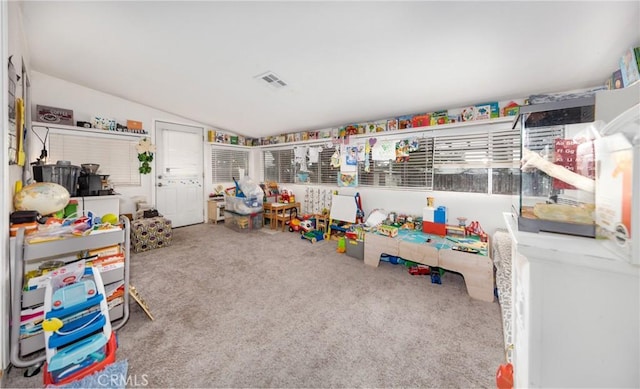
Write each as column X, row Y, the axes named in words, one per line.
column 437, row 251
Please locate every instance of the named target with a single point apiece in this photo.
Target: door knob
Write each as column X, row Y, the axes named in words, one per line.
column 159, row 176
column 159, row 183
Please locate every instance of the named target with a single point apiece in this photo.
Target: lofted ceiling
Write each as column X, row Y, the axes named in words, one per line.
column 343, row 62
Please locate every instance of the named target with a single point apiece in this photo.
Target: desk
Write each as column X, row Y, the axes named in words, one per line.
column 477, row 269
column 279, row 212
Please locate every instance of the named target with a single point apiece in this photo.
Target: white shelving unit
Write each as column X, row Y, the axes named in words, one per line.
column 37, row 252
column 84, row 131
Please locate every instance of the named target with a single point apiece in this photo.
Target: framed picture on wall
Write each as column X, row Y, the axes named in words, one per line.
column 54, row 115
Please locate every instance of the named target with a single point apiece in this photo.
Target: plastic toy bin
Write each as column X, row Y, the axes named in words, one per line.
column 242, row 205
column 243, row 223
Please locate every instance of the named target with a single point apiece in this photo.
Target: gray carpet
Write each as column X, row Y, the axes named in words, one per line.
column 272, row 310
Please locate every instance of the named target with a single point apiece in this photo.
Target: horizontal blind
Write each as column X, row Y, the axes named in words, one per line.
column 542, row 139
column 461, row 151
column 117, row 157
column 279, row 165
column 504, row 148
column 326, row 173
column 226, row 164
column 417, row 172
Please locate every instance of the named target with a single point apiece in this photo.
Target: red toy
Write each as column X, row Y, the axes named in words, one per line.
column 504, row 376
column 475, row 229
column 419, row 270
column 294, row 225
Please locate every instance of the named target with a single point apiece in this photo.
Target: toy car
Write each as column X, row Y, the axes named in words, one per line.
column 294, row 225
column 307, row 225
column 313, row 236
column 419, row 270
column 465, row 249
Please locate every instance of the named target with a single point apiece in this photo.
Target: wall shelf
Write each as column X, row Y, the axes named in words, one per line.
column 85, row 131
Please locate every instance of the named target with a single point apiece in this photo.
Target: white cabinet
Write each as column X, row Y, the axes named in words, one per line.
column 98, row 205
column 576, row 312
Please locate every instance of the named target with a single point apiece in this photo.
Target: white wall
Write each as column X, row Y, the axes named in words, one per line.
column 86, row 103
column 13, row 44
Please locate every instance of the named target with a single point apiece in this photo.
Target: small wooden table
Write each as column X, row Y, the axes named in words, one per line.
column 280, row 212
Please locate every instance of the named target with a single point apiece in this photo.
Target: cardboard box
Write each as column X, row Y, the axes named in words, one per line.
column 134, row 125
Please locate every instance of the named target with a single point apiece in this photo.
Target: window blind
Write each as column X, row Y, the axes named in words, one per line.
column 461, row 151
column 279, row 166
column 117, row 157
column 226, row 164
column 416, row 172
column 462, row 159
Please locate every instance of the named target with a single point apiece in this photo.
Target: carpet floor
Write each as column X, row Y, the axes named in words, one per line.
column 272, row 310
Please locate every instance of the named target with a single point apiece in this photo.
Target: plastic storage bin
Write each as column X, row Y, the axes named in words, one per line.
column 243, row 223
column 242, row 205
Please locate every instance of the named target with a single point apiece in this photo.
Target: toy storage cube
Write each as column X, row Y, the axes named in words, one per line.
column 150, row 233
column 355, row 248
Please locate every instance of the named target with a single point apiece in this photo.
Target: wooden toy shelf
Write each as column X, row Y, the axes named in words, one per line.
column 30, row 253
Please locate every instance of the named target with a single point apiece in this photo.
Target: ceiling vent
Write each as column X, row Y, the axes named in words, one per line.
column 272, row 79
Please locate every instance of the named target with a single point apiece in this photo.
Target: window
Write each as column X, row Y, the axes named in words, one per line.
column 417, row 172
column 227, row 162
column 117, row 157
column 321, row 172
column 461, row 163
column 479, row 160
column 279, row 166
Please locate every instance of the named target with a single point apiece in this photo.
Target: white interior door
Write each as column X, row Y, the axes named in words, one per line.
column 179, row 173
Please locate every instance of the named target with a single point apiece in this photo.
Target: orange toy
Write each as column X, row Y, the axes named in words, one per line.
column 504, row 376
